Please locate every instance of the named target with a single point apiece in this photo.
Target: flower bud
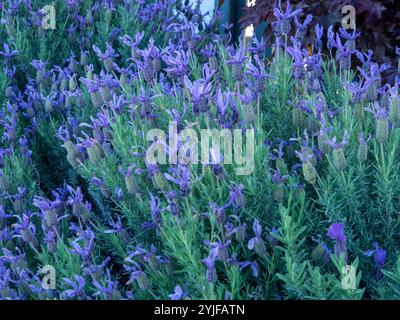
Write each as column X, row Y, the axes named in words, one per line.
column 156, row 65
column 241, row 234
column 285, row 26
column 384, row 101
column 72, row 84
column 312, row 124
column 211, row 275
column 309, row 172
column 48, row 106
column 73, row 66
column 29, row 237
column 148, row 74
column 54, row 88
column 18, row 206
column 10, row 29
column 153, row 262
column 74, row 157
column 159, row 181
column 4, row 184
column 382, row 130
column 362, row 152
column 318, row 254
column 237, row 72
column 64, row 85
column 50, row 218
column 9, row 92
column 135, row 54
column 249, row 114
column 279, row 192
column 372, row 93
column 68, row 102
column 322, row 145
column 345, row 63
column 39, row 77
column 80, row 101
column 131, row 185
column 143, row 281
column 281, row 166
column 71, row 37
column 105, row 192
column 297, row 117
column 95, row 153
column 350, row 44
column 52, row 246
column 214, row 64
column 260, row 248
column 79, row 210
column 109, row 65
column 105, row 93
column 84, row 59
column 97, row 99
column 123, row 79
column 88, row 44
column 394, row 109
column 339, row 159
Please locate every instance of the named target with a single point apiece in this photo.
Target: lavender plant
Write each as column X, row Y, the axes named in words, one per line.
column 79, row 194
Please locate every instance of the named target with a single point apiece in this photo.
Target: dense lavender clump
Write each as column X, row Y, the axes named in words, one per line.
column 79, row 195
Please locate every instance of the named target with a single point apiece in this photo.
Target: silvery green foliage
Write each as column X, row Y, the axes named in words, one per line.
column 317, row 218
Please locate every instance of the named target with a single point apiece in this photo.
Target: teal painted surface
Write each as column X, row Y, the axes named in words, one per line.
column 231, row 10
column 207, row 6
column 260, row 29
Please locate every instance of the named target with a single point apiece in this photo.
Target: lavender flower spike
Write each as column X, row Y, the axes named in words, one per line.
column 336, row 232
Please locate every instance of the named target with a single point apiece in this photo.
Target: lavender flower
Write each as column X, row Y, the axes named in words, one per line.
column 83, row 245
column 321, row 252
column 237, row 61
column 26, row 230
column 382, row 124
column 199, row 94
column 309, row 171
column 259, row 74
column 107, row 57
column 343, row 54
column 209, row 262
column 336, row 232
column 118, row 228
column 350, row 38
column 181, row 177
column 339, row 159
column 379, row 257
column 319, row 32
column 301, row 27
column 362, row 151
column 236, row 197
column 223, row 253
column 79, row 207
column 8, row 54
column 257, row 243
column 133, row 44
column 284, row 17
column 398, row 64
column 77, row 288
column 109, row 290
column 299, row 71
column 178, row 293
column 254, row 267
column 137, row 275
column 177, row 64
